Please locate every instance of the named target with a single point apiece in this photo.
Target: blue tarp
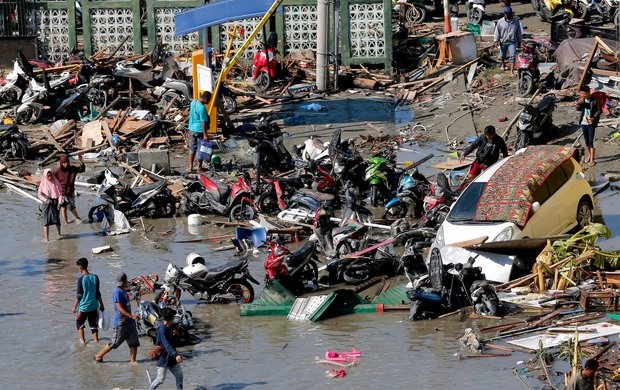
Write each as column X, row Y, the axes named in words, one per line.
column 219, row 12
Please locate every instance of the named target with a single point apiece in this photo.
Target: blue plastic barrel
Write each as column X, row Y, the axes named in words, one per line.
column 205, row 150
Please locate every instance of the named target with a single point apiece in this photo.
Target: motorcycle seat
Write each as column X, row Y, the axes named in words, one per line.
column 154, row 308
column 148, row 187
column 216, row 272
column 298, row 256
column 320, row 196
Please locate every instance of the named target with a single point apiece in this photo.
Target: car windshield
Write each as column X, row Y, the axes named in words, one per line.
column 465, row 208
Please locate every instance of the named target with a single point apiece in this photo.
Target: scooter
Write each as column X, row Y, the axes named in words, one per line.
column 409, row 199
column 527, row 68
column 13, row 142
column 268, row 150
column 551, row 9
column 41, row 99
column 266, row 66
column 535, row 122
column 297, row 271
column 225, row 284
column 152, row 200
column 15, row 85
column 377, row 177
column 277, row 195
column 206, row 196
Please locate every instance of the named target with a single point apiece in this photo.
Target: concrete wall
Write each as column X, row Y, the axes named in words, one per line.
column 10, row 45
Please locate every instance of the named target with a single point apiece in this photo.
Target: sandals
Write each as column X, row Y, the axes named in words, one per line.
column 591, row 164
column 100, row 360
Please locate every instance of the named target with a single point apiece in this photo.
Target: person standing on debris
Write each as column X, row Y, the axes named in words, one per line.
column 66, row 174
column 507, row 37
column 169, row 358
column 124, row 322
column 50, row 193
column 198, row 127
column 588, row 119
column 584, row 380
column 489, row 146
column 87, row 301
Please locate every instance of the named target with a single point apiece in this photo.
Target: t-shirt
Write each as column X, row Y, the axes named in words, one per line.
column 197, row 114
column 120, row 296
column 586, row 113
column 579, row 382
column 88, row 293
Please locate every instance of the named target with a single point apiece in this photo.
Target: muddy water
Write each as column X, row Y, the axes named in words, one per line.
column 39, row 347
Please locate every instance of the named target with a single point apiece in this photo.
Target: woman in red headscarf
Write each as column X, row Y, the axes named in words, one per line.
column 50, row 193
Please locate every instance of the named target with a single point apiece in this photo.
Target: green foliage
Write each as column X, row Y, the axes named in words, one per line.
column 584, row 241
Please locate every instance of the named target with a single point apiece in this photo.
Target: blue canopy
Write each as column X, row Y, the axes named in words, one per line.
column 219, row 12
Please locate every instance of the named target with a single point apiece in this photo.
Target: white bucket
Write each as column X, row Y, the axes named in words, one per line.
column 454, row 23
column 194, row 220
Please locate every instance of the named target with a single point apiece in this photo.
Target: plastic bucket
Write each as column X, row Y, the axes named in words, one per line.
column 454, row 23
column 194, row 220
column 205, row 150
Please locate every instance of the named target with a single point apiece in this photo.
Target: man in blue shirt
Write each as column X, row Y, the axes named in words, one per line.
column 124, row 322
column 169, row 359
column 87, row 301
column 507, row 37
column 198, row 127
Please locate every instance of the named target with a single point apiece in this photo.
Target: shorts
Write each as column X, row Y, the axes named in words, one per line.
column 127, row 333
column 588, row 135
column 69, row 202
column 91, row 316
column 194, row 140
column 476, row 168
column 507, row 48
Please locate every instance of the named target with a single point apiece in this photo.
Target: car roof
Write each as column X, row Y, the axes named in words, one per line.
column 510, row 186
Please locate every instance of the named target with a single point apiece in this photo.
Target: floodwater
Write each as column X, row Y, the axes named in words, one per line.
column 39, row 347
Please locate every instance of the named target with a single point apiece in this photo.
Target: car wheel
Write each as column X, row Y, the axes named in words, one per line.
column 584, row 214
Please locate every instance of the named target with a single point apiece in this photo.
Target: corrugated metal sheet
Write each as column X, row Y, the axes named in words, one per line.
column 394, row 296
column 304, row 308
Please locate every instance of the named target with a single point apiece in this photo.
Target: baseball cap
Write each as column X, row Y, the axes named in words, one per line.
column 507, row 10
column 120, row 279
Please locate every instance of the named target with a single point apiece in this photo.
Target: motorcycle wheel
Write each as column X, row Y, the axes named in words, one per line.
column 415, row 15
column 152, row 333
column 525, row 85
column 268, row 202
column 358, row 271
column 263, row 82
column 435, row 269
column 491, row 306
column 241, row 212
column 581, row 10
column 19, row 149
column 165, row 206
column 229, row 103
column 395, row 212
column 475, row 16
column 309, row 273
column 454, row 9
column 9, row 96
column 374, row 195
column 243, row 291
column 523, row 139
column 24, row 116
column 167, row 97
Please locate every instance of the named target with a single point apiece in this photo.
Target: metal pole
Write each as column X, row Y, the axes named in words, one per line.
column 205, row 40
column 446, row 16
column 336, row 41
column 322, row 45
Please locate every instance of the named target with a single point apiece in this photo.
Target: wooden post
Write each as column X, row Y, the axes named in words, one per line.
column 588, row 63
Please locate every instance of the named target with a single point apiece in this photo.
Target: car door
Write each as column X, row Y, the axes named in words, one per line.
column 555, row 210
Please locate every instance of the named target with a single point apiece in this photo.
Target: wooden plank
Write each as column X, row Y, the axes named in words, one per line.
column 369, row 249
column 587, row 66
column 108, row 133
column 453, row 164
column 468, row 243
column 51, row 138
column 131, row 169
column 2, row 168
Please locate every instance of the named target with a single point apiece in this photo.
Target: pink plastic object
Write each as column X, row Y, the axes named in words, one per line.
column 337, row 373
column 342, row 356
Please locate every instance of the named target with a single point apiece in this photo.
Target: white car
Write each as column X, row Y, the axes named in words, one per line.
column 539, row 191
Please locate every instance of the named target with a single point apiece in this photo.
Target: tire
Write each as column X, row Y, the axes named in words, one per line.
column 415, row 15
column 525, row 85
column 98, row 97
column 263, row 81
column 581, row 10
column 268, row 202
column 435, row 269
column 242, row 289
column 491, row 306
column 309, row 273
column 617, row 18
column 374, row 195
column 523, row 139
column 19, row 149
column 229, row 103
column 11, row 95
column 584, row 214
column 167, row 97
column 152, row 333
column 358, row 271
column 165, row 206
column 454, row 9
column 241, row 212
column 475, row 16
